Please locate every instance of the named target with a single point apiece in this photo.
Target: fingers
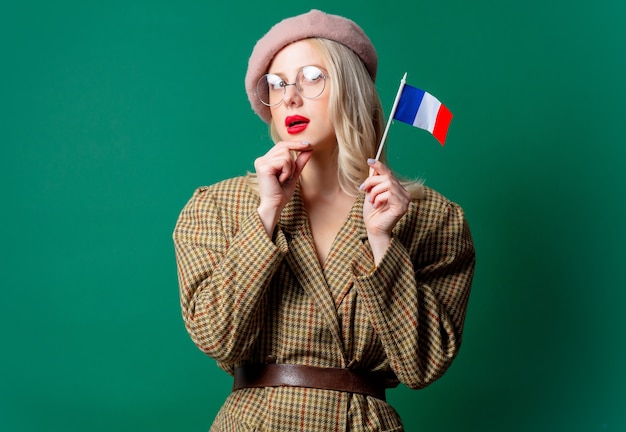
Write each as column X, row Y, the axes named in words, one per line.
column 387, row 201
column 378, row 174
column 301, row 160
column 377, row 168
column 389, row 194
column 293, row 167
column 383, row 189
column 279, row 162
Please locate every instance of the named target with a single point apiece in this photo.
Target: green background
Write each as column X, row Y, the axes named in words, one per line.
column 113, row 112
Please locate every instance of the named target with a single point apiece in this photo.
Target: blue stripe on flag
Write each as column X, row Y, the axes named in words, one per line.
column 408, row 104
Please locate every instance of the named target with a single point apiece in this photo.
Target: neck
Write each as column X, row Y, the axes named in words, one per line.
column 319, row 177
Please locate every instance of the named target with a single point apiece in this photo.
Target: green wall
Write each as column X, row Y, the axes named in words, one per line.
column 111, row 113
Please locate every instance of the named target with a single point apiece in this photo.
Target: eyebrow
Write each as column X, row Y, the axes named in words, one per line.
column 282, row 74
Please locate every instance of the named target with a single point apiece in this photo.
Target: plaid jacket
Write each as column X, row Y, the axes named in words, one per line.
column 249, row 299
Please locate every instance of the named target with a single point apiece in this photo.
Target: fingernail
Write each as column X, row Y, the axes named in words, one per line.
column 306, row 142
column 371, row 161
column 362, row 186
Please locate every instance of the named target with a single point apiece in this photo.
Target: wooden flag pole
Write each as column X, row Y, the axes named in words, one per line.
column 391, row 114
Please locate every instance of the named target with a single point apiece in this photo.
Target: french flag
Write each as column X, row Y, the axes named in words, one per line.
column 421, row 109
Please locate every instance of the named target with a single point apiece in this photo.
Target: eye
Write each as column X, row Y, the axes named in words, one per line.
column 275, row 82
column 311, row 73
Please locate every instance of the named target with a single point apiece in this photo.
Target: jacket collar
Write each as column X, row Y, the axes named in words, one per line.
column 294, row 216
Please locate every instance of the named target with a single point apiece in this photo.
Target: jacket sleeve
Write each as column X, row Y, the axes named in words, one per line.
column 225, row 261
column 417, row 296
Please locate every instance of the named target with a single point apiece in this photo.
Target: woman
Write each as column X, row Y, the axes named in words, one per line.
column 314, row 283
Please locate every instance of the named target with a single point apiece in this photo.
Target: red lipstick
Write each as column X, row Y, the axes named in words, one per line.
column 296, row 124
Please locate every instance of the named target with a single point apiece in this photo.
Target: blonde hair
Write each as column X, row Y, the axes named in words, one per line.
column 357, row 116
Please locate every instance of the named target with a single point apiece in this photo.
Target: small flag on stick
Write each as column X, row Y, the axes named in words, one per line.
column 420, row 109
column 423, row 110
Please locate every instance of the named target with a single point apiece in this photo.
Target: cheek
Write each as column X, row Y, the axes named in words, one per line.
column 328, row 109
column 328, row 114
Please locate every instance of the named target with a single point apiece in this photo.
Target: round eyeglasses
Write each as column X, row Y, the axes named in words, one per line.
column 310, row 83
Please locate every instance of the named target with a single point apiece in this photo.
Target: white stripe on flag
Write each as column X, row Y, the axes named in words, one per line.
column 427, row 113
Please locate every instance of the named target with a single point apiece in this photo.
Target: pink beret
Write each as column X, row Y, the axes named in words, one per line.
column 311, row 24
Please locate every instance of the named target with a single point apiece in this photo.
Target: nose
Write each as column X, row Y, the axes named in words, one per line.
column 292, row 95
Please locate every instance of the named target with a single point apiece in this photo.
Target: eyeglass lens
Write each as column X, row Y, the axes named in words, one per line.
column 310, row 83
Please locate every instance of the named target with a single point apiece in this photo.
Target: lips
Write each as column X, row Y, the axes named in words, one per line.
column 296, row 124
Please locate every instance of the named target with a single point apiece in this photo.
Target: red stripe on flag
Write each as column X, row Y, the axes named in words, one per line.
column 444, row 117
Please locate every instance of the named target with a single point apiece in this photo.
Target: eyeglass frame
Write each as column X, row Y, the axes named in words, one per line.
column 285, row 84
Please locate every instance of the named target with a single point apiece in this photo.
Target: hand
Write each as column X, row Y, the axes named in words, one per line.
column 278, row 173
column 386, row 201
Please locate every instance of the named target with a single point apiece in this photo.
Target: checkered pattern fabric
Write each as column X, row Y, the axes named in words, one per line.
column 249, row 299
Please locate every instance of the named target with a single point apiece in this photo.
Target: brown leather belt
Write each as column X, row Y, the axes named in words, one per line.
column 292, row 375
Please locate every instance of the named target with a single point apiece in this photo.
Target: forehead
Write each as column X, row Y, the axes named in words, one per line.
column 295, row 56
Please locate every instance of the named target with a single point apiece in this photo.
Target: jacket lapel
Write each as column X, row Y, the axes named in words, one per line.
column 303, row 261
column 347, row 251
